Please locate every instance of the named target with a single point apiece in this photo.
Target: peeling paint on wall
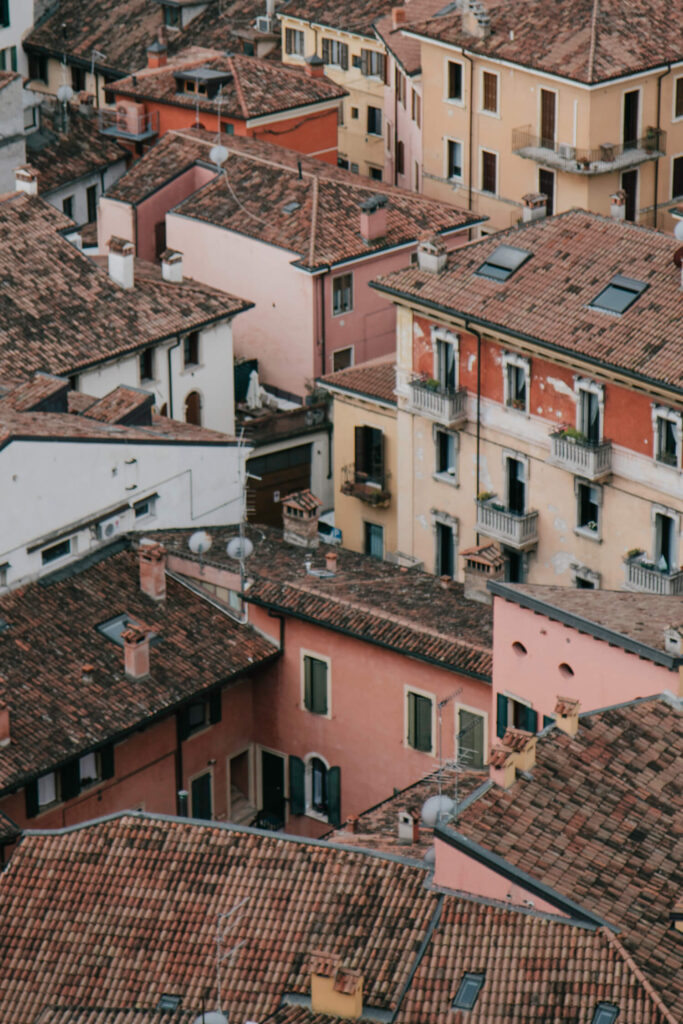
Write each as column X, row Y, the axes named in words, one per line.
column 423, row 522
column 417, row 330
column 485, row 482
column 561, row 562
column 561, row 387
column 471, row 360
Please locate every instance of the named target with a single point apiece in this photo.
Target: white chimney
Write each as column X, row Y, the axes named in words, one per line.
column 617, row 208
column 121, row 262
column 432, row 254
column 172, row 266
column 535, row 206
column 26, row 179
column 476, row 20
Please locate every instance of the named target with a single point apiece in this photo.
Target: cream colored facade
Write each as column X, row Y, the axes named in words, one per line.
column 360, row 139
column 59, row 74
column 584, row 160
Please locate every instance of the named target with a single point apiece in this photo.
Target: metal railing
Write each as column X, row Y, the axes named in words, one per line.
column 607, row 157
column 126, row 124
column 651, row 580
column 581, row 456
column 519, row 530
column 447, row 405
column 373, row 490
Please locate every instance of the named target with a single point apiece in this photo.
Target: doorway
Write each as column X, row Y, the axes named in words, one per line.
column 630, row 128
column 200, row 791
column 629, row 183
column 548, row 100
column 272, row 813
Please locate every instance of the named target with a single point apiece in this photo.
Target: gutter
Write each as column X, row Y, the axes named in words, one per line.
column 659, row 118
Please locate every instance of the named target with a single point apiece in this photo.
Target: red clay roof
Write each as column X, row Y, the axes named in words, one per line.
column 406, row 49
column 355, row 16
column 369, row 380
column 574, row 256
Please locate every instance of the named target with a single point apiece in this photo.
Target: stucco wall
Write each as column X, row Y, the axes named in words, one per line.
column 78, row 190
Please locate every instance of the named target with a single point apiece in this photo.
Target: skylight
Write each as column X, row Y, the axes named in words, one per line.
column 619, row 294
column 168, row 1003
column 468, row 991
column 605, row 1013
column 503, row 262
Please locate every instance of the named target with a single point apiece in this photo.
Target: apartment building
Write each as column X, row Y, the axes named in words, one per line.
column 572, row 100
column 539, row 403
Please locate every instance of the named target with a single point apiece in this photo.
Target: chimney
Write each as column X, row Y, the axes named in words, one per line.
column 352, row 824
column 476, row 20
column 535, row 206
column 408, row 828
column 157, row 54
column 617, row 205
column 373, row 217
column 182, row 803
column 85, row 104
column 136, row 650
column 482, row 563
column 4, row 725
column 87, row 674
column 567, row 715
column 331, row 561
column 315, row 67
column 335, row 990
column 172, row 266
column 432, row 254
column 300, row 513
column 398, row 16
column 152, row 558
column 121, row 262
column 523, row 743
column 676, row 916
column 502, row 766
column 26, row 179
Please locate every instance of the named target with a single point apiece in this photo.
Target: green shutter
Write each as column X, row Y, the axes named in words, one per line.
column 548, row 721
column 319, row 686
column 531, row 720
column 334, row 796
column 308, row 694
column 364, row 55
column 13, row 57
column 411, row 719
column 297, row 785
column 502, row 715
column 69, row 780
column 215, row 707
column 423, row 723
column 107, row 761
column 344, row 56
column 326, row 51
column 31, row 795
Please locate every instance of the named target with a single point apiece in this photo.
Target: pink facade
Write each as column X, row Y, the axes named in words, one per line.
column 403, row 121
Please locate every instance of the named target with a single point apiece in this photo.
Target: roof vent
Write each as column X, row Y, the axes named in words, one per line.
column 567, row 715
column 503, row 262
column 291, row 207
column 26, row 179
column 673, row 640
column 432, row 254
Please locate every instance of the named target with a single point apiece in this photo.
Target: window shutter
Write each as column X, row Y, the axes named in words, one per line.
column 423, row 717
column 548, row 721
column 502, row 715
column 334, row 796
column 319, row 678
column 326, row 51
column 297, row 785
column 359, row 440
column 364, row 62
column 183, row 724
column 344, row 56
column 382, row 67
column 531, row 720
column 107, row 761
column 308, row 694
column 69, row 781
column 215, row 707
column 31, row 795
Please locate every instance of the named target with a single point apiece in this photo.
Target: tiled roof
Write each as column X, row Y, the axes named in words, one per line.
column 574, row 257
column 61, row 155
column 113, row 914
column 356, row 16
column 261, row 179
column 258, row 87
column 600, row 820
column 370, row 380
column 8, row 76
column 577, row 39
column 403, row 609
column 63, row 313
column 52, row 634
column 406, row 49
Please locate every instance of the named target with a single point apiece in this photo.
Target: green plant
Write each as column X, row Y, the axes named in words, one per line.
column 485, row 495
column 633, row 553
column 432, row 383
column 572, row 434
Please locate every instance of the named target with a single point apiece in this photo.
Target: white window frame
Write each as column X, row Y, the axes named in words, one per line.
column 493, row 152
column 674, row 119
column 446, row 76
column 90, row 780
column 446, row 168
column 489, row 113
column 304, row 652
column 472, row 711
column 583, row 531
column 663, row 510
column 297, row 52
column 662, row 412
column 338, row 277
column 440, row 518
column 586, row 384
column 406, row 719
column 309, row 810
column 452, row 479
column 521, row 363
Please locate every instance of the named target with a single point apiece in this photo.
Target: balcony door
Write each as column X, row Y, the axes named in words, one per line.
column 445, row 365
column 516, row 487
column 589, row 416
column 546, row 184
column 629, row 183
column 630, row 128
column 548, row 118
column 664, row 542
column 369, row 449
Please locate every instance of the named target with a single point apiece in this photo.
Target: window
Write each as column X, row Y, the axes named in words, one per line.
column 193, row 408
column 315, row 685
column 342, row 358
column 489, row 169
column 454, row 81
column 515, row 565
column 77, row 79
column 389, row 130
column 629, row 183
column 453, row 159
column 400, row 88
column 201, row 797
column 678, row 97
column 514, row 712
column 374, row 121
column 171, row 16
column 47, row 789
column 336, row 52
column 68, row 206
column 144, row 508
column 400, row 158
column 37, row 67
column 196, row 716
column 416, row 111
column 446, row 364
column 91, row 201
column 354, row 168
column 147, row 364
column 516, row 486
column 342, row 294
column 294, row 41
column 446, row 445
column 546, row 185
column 8, row 59
column 228, row 128
column 517, row 372
column 471, row 737
column 191, row 349
column 55, row 551
column 416, row 175
column 468, row 991
column 375, row 173
column 372, row 64
column 503, row 262
column 4, row 13
column 619, row 295
column 369, row 455
column 354, row 113
column 667, row 425
column 677, row 175
column 665, row 546
column 88, row 769
column 605, row 1013
column 420, row 711
column 489, row 92
column 584, row 578
column 374, row 540
column 168, row 1003
column 445, row 549
column 589, row 411
column 588, row 500
column 317, row 788
column 631, row 118
column 31, row 118
column 248, row 48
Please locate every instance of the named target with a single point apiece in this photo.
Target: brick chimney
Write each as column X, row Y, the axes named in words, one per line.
column 482, row 563
column 152, row 559
column 315, row 67
column 172, row 266
column 398, row 16
column 567, row 715
column 121, row 262
column 408, row 828
column 26, row 179
column 432, row 254
column 300, row 514
column 157, row 54
column 136, row 650
column 4, row 725
column 617, row 205
column 535, row 206
column 373, row 217
column 335, row 990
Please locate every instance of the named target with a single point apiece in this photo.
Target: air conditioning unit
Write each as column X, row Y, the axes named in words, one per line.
column 264, row 24
column 565, row 151
column 108, row 528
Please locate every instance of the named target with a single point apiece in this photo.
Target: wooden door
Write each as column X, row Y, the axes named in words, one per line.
column 548, row 100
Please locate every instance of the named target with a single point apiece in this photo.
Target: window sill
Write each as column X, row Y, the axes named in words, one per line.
column 427, row 753
column 191, row 368
column 667, row 465
column 454, row 102
column 343, row 312
column 446, row 478
column 593, row 535
column 316, row 815
column 318, row 714
column 490, row 113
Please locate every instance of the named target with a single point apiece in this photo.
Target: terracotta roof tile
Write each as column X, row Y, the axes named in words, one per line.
column 356, row 16
column 406, row 49
column 372, row 380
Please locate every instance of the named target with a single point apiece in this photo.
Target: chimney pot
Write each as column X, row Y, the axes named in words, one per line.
column 482, row 563
column 4, row 725
column 315, row 67
column 172, row 266
column 352, row 824
column 136, row 650
column 152, row 558
column 567, row 715
column 182, row 803
column 331, row 561
column 617, row 207
column 26, row 179
column 502, row 765
column 121, row 262
column 373, row 217
column 157, row 54
column 87, row 673
column 432, row 254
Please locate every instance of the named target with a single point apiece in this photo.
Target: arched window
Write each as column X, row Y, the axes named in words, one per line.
column 193, row 408
column 316, row 785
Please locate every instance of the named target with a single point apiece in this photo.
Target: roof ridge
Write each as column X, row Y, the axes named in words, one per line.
column 238, row 88
column 594, row 39
column 633, row 966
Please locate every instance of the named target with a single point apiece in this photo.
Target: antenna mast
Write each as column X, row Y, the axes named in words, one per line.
column 222, row 931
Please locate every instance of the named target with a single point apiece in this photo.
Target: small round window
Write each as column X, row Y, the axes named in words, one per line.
column 518, row 648
column 566, row 669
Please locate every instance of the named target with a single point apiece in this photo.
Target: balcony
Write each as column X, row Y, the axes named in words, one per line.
column 125, row 124
column 373, row 491
column 607, row 157
column 516, row 530
column 645, row 577
column 447, row 406
column 580, row 456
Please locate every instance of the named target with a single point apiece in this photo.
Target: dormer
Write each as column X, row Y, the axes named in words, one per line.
column 202, row 81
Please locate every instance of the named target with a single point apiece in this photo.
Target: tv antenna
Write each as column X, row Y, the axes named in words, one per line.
column 439, row 707
column 224, row 926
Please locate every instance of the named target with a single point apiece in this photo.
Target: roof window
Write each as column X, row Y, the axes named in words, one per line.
column 291, row 207
column 168, row 1003
column 619, row 294
column 468, row 991
column 605, row 1013
column 503, row 262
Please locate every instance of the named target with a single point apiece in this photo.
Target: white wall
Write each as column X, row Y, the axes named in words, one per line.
column 12, row 145
column 48, row 486
column 79, row 187
column 20, row 21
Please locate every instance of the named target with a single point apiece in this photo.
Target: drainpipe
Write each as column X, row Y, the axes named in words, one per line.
column 659, row 112
column 470, row 131
column 178, row 766
column 477, row 335
column 396, row 124
column 170, row 376
column 322, row 324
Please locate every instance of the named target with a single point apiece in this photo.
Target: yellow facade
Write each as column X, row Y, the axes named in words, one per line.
column 59, row 74
column 588, row 130
column 360, row 138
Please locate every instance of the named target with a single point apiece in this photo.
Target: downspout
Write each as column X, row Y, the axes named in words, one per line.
column 396, row 125
column 170, row 377
column 278, row 615
column 178, row 763
column 470, row 132
column 322, row 324
column 477, row 335
column 659, row 114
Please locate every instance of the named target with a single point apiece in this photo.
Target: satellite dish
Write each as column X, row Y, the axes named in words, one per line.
column 218, row 155
column 239, row 547
column 211, row 1017
column 678, row 230
column 200, row 542
column 64, row 93
column 436, row 809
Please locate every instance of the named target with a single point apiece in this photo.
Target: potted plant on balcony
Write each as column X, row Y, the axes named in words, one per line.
column 632, row 554
column 568, row 433
column 651, row 138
